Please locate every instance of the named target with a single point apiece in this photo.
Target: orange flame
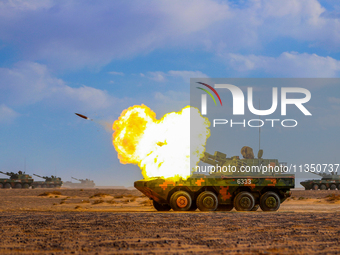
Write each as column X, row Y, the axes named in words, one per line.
column 161, row 148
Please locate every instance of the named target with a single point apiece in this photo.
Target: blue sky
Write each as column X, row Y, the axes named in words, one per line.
column 100, row 57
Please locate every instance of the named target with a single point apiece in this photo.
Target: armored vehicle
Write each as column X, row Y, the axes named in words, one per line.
column 50, row 182
column 16, row 181
column 221, row 191
column 328, row 181
column 83, row 183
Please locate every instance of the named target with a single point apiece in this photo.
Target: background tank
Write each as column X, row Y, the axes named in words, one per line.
column 328, row 181
column 87, row 183
column 16, row 180
column 50, row 182
column 220, row 191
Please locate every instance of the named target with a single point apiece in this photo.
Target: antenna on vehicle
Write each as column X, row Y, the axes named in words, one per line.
column 259, row 126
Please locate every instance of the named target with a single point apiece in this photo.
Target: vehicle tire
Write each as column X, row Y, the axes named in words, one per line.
column 338, row 186
column 180, row 201
column 323, row 187
column 1, row 185
column 225, row 208
column 244, row 201
column 26, row 186
column 255, row 207
column 333, row 187
column 161, row 208
column 18, row 186
column 315, row 187
column 38, row 187
column 207, row 201
column 7, row 186
column 51, row 186
column 270, row 201
column 44, row 186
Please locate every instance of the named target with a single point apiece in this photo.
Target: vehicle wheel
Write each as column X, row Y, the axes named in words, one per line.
column 51, row 186
column 1, row 185
column 244, row 201
column 161, row 208
column 255, row 207
column 333, row 187
column 338, row 186
column 207, row 201
column 315, row 187
column 44, row 186
column 18, row 186
column 38, row 186
column 180, row 201
column 26, row 186
column 225, row 208
column 270, row 201
column 7, row 186
column 323, row 187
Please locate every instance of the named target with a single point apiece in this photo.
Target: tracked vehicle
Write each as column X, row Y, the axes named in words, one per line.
column 50, row 182
column 16, row 181
column 83, row 183
column 220, row 191
column 328, row 181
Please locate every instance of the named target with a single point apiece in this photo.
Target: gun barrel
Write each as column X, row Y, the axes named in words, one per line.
column 4, row 173
column 39, row 176
column 320, row 174
column 74, row 178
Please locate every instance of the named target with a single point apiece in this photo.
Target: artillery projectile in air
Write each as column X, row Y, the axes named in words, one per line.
column 82, row 116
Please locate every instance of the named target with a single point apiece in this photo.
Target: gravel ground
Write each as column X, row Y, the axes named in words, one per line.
column 136, row 233
column 124, row 222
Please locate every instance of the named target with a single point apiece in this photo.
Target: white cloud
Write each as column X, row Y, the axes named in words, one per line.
column 288, row 64
column 7, row 114
column 117, row 73
column 157, row 76
column 28, row 83
column 24, row 5
column 86, row 34
column 185, row 75
column 334, row 100
column 330, row 117
column 170, row 101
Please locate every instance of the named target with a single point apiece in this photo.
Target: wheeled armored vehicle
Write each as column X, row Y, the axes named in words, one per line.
column 221, row 191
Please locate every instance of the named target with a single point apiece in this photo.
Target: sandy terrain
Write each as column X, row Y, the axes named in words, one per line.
column 123, row 221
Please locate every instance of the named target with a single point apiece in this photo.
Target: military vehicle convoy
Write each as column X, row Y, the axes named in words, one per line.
column 50, row 182
column 328, row 181
column 16, row 181
column 222, row 191
column 83, row 183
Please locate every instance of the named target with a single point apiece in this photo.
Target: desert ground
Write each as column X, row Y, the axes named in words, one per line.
column 119, row 221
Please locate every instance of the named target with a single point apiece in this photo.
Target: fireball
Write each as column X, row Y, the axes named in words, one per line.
column 166, row 148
